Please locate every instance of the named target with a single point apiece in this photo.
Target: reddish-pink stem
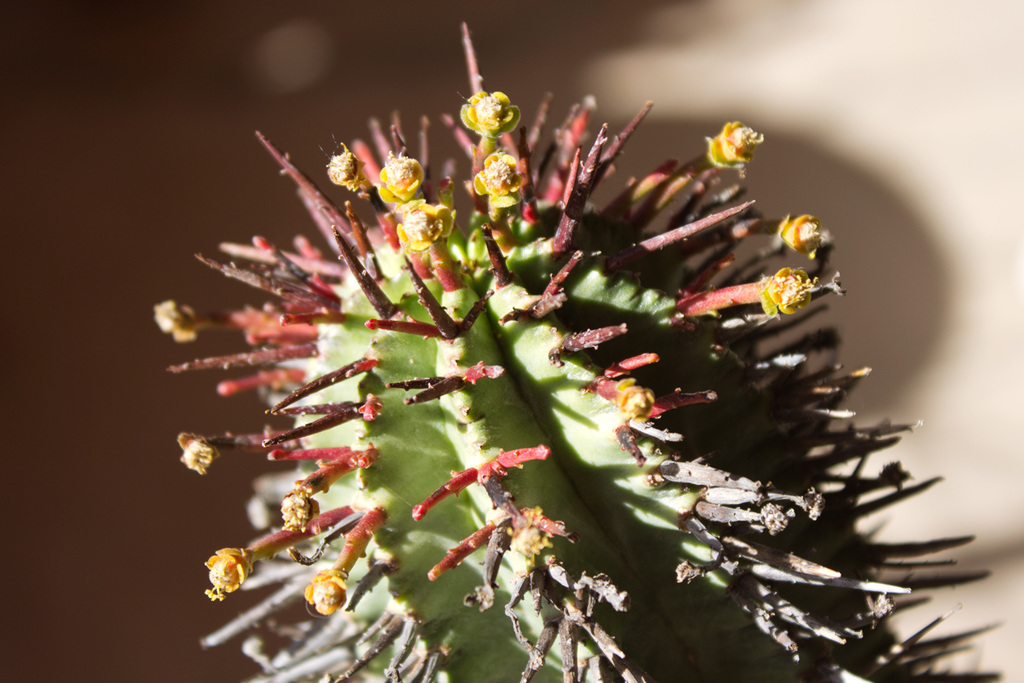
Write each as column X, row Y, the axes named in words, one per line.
column 416, row 327
column 495, row 467
column 460, row 552
column 265, row 378
column 717, row 299
column 624, row 367
column 677, row 399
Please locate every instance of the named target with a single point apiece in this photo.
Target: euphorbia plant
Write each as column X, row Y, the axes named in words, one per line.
column 522, row 420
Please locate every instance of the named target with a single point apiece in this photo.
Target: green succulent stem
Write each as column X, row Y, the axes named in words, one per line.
column 555, row 424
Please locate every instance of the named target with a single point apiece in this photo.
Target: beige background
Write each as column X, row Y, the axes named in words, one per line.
column 127, row 139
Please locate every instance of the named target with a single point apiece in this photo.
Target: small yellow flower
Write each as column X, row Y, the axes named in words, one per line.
column 228, row 569
column 425, row 225
column 327, row 591
column 176, row 320
column 499, row 180
column 490, row 114
column 197, row 453
column 297, row 508
column 787, row 291
column 802, row 233
column 734, row 146
column 402, row 177
column 527, row 537
column 346, row 169
column 634, row 401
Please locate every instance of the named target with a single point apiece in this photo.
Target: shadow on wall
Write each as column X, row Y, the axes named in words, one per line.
column 895, row 310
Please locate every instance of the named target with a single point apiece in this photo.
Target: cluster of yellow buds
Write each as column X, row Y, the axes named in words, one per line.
column 490, row 115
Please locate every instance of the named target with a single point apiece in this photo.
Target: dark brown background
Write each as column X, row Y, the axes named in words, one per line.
column 128, row 145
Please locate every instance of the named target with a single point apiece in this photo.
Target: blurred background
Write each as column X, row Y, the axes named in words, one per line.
column 128, row 146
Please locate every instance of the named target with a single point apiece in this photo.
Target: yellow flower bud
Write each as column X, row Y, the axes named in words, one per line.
column 634, row 401
column 734, row 146
column 346, row 170
column 802, row 233
column 528, row 538
column 490, row 114
column 402, row 177
column 176, row 320
column 500, row 180
column 297, row 508
column 197, row 453
column 327, row 591
column 424, row 225
column 787, row 291
column 228, row 569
